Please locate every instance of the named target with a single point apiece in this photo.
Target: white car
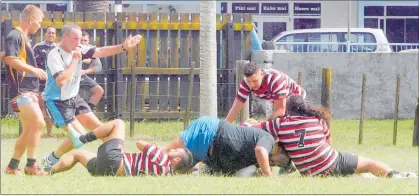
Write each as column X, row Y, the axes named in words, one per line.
column 332, row 40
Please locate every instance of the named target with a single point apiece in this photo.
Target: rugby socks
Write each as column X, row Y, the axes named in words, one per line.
column 52, row 158
column 14, row 164
column 88, row 137
column 390, row 174
column 30, row 162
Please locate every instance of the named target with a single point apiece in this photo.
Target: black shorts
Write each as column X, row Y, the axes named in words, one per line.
column 87, row 83
column 42, row 85
column 230, row 154
column 64, row 112
column 344, row 165
column 108, row 160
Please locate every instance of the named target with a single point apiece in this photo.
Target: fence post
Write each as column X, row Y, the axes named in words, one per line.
column 132, row 94
column 300, row 78
column 416, row 126
column 188, row 104
column 396, row 110
column 416, row 122
column 361, row 120
column 119, row 75
column 326, row 91
column 1, row 72
column 244, row 113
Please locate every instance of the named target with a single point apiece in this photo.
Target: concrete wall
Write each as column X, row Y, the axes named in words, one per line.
column 347, row 70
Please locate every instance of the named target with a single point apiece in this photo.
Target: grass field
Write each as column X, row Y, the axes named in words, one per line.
column 377, row 145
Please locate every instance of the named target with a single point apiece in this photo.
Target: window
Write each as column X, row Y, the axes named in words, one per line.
column 326, row 42
column 364, row 39
column 371, row 23
column 306, row 23
column 402, row 10
column 374, row 11
column 57, row 7
column 20, row 6
column 271, row 29
column 293, row 47
column 412, row 26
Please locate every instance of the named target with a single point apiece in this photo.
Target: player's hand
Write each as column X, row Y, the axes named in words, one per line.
column 77, row 54
column 87, row 61
column 132, row 41
column 40, row 73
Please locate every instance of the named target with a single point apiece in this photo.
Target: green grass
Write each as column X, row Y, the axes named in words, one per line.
column 377, row 145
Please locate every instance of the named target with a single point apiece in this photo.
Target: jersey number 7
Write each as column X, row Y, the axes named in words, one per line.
column 302, row 133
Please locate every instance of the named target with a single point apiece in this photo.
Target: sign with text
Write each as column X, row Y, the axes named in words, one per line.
column 245, row 8
column 307, row 9
column 274, row 8
column 223, row 7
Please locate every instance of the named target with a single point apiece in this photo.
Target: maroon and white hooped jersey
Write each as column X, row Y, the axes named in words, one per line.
column 275, row 85
column 153, row 162
column 305, row 141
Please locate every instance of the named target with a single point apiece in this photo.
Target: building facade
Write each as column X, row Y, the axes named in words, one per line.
column 398, row 19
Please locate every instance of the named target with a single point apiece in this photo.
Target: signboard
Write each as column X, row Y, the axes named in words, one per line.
column 223, row 7
column 245, row 8
column 307, row 9
column 274, row 8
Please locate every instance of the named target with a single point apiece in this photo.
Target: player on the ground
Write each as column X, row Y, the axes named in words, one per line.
column 306, row 138
column 112, row 160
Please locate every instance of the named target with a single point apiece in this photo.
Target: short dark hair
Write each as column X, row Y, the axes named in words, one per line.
column 84, row 33
column 186, row 162
column 250, row 69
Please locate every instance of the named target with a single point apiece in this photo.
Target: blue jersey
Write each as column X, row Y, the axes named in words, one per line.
column 199, row 135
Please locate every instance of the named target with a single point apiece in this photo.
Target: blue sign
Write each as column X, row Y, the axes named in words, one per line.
column 252, row 8
column 307, row 9
column 274, row 8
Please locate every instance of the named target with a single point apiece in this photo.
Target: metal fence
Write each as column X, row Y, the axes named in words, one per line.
column 343, row 47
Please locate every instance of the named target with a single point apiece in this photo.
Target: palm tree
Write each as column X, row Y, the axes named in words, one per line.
column 91, row 5
column 208, row 58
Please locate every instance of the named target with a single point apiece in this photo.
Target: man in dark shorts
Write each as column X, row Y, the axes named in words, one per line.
column 87, row 83
column 227, row 148
column 23, row 80
column 111, row 160
column 63, row 104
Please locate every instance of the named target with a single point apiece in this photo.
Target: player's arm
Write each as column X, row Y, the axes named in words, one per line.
column 62, row 76
column 176, row 143
column 11, row 58
column 234, row 110
column 141, row 145
column 241, row 98
column 262, row 157
column 129, row 43
column 279, row 108
column 2, row 55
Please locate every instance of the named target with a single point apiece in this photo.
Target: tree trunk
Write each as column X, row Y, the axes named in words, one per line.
column 91, row 5
column 208, row 59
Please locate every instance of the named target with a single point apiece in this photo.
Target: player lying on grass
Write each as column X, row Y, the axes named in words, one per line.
column 226, row 148
column 111, row 160
column 306, row 138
